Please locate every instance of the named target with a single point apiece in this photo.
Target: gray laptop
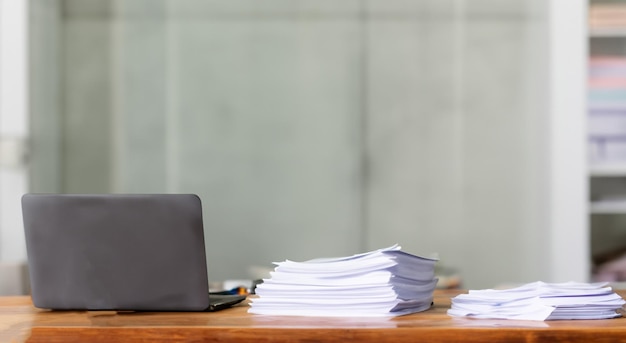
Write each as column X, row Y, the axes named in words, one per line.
column 127, row 252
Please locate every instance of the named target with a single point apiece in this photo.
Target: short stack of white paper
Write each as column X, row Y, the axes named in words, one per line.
column 540, row 301
column 385, row 282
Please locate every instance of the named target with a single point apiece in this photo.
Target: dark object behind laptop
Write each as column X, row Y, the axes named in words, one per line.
column 118, row 252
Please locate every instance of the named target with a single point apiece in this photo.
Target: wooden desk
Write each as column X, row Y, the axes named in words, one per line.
column 21, row 322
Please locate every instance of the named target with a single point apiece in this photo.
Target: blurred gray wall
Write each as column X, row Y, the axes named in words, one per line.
column 308, row 128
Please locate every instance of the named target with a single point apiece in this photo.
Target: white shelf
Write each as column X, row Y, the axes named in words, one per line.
column 607, row 32
column 608, row 207
column 614, row 169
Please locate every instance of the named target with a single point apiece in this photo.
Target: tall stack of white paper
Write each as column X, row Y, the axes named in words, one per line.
column 540, row 301
column 385, row 282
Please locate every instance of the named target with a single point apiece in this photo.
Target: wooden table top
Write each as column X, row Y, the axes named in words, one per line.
column 21, row 322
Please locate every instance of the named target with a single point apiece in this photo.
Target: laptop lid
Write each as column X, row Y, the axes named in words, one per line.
column 116, row 252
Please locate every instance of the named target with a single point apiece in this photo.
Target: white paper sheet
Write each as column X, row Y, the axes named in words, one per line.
column 380, row 283
column 540, row 301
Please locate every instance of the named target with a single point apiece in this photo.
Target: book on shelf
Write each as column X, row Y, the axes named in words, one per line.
column 607, row 15
column 380, row 283
column 607, row 109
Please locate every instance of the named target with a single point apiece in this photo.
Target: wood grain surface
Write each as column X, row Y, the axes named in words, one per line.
column 21, row 322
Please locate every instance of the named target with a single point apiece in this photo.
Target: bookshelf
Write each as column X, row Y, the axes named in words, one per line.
column 607, row 129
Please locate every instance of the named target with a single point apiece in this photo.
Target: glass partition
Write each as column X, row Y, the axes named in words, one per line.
column 308, row 128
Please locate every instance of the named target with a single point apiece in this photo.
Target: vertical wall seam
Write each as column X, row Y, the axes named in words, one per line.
column 172, row 159
column 363, row 110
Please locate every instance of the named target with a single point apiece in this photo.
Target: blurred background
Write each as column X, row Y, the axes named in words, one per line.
column 456, row 128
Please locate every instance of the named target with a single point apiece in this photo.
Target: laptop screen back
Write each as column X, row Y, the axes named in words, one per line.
column 116, row 252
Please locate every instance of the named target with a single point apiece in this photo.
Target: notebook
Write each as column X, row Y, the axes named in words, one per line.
column 125, row 252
